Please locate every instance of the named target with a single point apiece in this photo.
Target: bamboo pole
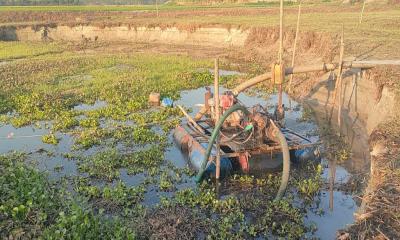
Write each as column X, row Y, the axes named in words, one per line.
column 332, row 183
column 157, row 7
column 362, row 12
column 295, row 46
column 280, row 56
column 338, row 85
column 190, row 119
column 217, row 115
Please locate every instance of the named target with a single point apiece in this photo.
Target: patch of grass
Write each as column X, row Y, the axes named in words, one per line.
column 16, row 50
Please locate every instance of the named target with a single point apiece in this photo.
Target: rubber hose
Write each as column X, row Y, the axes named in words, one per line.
column 281, row 138
column 214, row 136
column 286, row 162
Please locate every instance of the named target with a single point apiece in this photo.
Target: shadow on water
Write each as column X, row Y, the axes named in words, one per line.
column 51, row 157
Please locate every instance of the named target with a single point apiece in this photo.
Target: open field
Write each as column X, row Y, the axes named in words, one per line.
column 379, row 31
column 84, row 155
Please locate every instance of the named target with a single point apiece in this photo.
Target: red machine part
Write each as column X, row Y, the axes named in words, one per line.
column 227, row 101
column 244, row 162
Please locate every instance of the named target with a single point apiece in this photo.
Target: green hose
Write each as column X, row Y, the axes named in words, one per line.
column 281, row 138
column 215, row 134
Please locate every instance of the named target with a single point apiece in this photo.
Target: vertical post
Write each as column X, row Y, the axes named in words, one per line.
column 280, row 57
column 295, row 45
column 157, row 7
column 332, row 182
column 217, row 115
column 340, row 79
column 362, row 12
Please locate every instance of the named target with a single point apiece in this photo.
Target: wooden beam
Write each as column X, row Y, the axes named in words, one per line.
column 217, row 115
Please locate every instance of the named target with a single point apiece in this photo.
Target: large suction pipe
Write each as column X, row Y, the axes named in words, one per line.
column 286, row 160
column 314, row 68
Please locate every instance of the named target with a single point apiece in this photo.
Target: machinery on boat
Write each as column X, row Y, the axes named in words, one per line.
column 250, row 139
column 226, row 136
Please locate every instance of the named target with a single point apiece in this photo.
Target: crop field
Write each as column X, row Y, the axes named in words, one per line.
column 84, row 155
column 379, row 30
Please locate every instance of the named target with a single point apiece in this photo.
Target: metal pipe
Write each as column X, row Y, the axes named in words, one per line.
column 314, row 68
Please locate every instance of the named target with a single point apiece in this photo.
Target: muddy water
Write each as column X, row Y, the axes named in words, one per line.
column 51, row 158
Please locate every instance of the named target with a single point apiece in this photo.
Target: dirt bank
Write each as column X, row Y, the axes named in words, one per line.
column 370, row 120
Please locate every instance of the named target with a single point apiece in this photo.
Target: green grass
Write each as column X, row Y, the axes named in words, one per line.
column 15, row 50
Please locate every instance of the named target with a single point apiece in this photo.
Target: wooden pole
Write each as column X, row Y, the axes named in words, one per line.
column 362, row 12
column 332, row 183
column 157, row 7
column 338, row 79
column 190, row 119
column 280, row 56
column 217, row 115
column 295, row 46
column 340, row 71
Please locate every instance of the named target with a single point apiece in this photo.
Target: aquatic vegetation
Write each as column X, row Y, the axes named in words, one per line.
column 26, row 198
column 32, row 207
column 127, row 138
column 89, row 123
column 82, row 223
column 104, row 165
column 65, row 121
column 309, row 183
column 50, row 139
column 118, row 194
column 306, row 115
